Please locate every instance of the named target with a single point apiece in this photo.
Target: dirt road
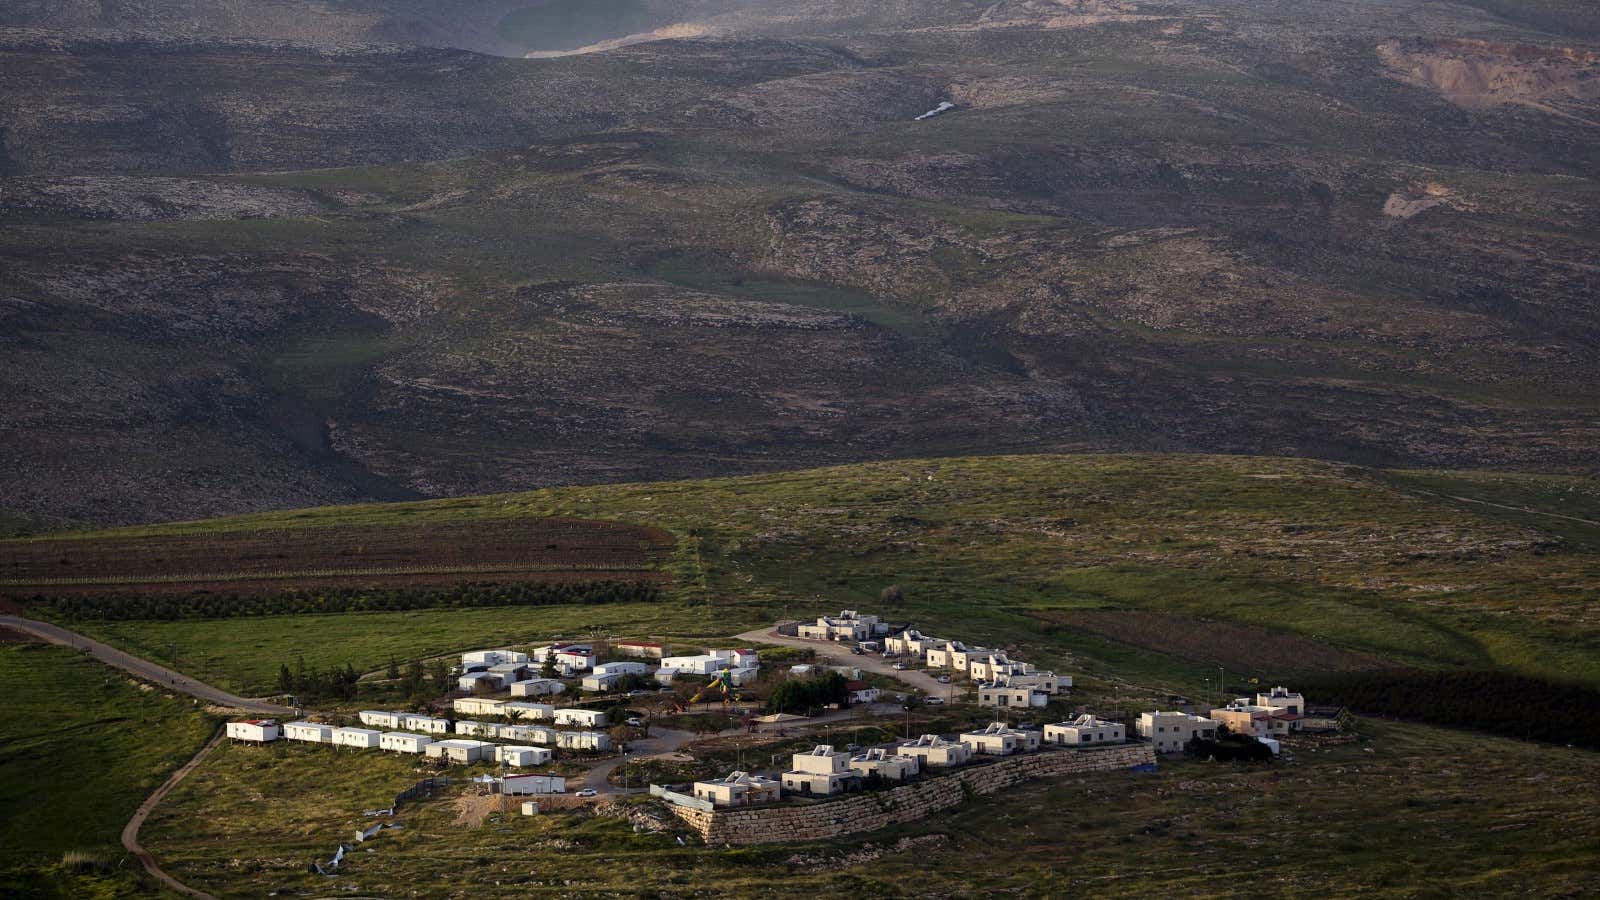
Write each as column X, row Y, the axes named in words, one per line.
column 836, row 654
column 143, row 668
column 130, row 832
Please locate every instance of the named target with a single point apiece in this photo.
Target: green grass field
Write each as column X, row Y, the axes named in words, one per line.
column 80, row 749
column 1352, row 559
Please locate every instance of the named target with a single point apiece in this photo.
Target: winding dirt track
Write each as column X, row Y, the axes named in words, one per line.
column 143, row 668
column 130, row 832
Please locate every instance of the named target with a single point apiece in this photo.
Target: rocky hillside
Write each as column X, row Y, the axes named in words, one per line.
column 249, row 265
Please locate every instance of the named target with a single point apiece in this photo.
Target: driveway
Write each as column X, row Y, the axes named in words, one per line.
column 834, row 653
column 143, row 668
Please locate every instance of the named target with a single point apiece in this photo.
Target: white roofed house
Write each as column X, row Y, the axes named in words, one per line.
column 540, row 654
column 703, row 664
column 1005, row 696
column 492, row 657
column 583, row 718
column 522, row 757
column 477, row 706
column 257, row 731
column 1085, row 731
column 848, row 625
column 622, row 668
column 1170, row 732
column 364, row 738
column 1048, row 682
column 607, row 682
column 525, row 733
column 573, row 661
column 994, row 665
column 861, row 693
column 932, row 751
column 583, row 740
column 740, row 658
column 510, row 672
column 890, row 766
column 537, row 687
column 424, row 723
column 738, row 789
column 743, row 675
column 380, row 719
column 522, row 711
column 459, row 751
column 477, row 729
column 1000, row 739
column 644, row 649
column 943, row 655
column 820, row 770
column 309, row 732
column 471, row 681
column 909, row 642
column 404, row 742
column 524, row 785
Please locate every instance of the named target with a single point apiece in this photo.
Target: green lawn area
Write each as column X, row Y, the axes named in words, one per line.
column 80, row 749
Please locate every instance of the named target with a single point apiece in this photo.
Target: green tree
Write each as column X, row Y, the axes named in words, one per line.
column 394, row 670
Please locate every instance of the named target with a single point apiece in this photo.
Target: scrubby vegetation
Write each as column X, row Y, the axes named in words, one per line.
column 808, row 694
column 207, row 605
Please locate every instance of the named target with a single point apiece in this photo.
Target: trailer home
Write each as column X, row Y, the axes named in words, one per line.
column 459, row 751
column 537, row 687
column 377, row 718
column 310, row 732
column 259, row 731
column 523, row 785
column 424, row 724
column 583, row 740
column 582, row 718
column 404, row 742
column 522, row 757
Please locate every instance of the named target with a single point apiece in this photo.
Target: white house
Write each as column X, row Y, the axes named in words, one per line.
column 820, row 770
column 459, row 751
column 260, row 731
column 932, row 751
column 574, row 660
column 1170, row 732
column 425, row 724
column 521, row 711
column 848, row 625
column 861, row 693
column 582, row 718
column 540, row 654
column 510, row 672
column 702, row 664
column 310, row 732
column 1085, row 730
column 525, row 785
column 645, row 649
column 403, row 742
column 522, row 756
column 1048, row 682
column 474, row 728
column 622, row 668
column 605, row 682
column 477, row 706
column 737, row 659
column 743, row 675
column 886, row 765
column 1284, row 699
column 365, row 738
column 738, row 789
column 1243, row 717
column 493, row 657
column 1000, row 739
column 1005, row 696
column 379, row 719
column 583, row 740
column 943, row 654
column 537, row 687
column 471, row 680
column 909, row 642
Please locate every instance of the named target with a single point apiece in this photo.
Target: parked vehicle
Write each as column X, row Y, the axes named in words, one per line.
column 934, row 701
column 899, row 667
column 586, row 792
column 636, row 722
column 944, row 679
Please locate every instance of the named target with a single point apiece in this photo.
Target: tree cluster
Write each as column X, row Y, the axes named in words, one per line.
column 310, row 684
column 808, row 694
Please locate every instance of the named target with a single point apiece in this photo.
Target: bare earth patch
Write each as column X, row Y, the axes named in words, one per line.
column 1480, row 74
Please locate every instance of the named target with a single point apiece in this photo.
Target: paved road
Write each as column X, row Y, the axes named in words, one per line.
column 130, row 832
column 143, row 668
column 834, row 653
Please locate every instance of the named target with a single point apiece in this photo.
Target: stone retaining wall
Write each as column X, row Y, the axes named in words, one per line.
column 880, row 809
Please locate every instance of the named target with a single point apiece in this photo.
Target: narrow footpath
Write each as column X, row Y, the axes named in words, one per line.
column 143, row 668
column 130, row 832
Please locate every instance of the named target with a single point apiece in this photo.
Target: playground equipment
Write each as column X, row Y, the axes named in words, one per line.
column 721, row 682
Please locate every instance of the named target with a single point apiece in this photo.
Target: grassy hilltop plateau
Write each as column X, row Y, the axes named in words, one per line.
column 1182, row 347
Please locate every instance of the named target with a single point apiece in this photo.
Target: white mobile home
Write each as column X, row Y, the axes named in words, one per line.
column 493, row 657
column 521, row 711
column 364, row 738
column 583, row 740
column 477, row 729
column 477, row 706
column 260, row 731
column 379, row 719
column 424, row 724
column 310, row 732
column 582, row 718
column 601, row 682
column 404, row 742
column 622, row 668
column 522, row 756
column 703, row 664
column 470, row 681
column 537, row 687
column 524, row 785
column 459, row 751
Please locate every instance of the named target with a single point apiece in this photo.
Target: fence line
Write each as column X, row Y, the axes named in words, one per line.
column 423, row 788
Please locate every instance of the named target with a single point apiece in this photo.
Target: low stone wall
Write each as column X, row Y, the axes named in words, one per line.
column 880, row 809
